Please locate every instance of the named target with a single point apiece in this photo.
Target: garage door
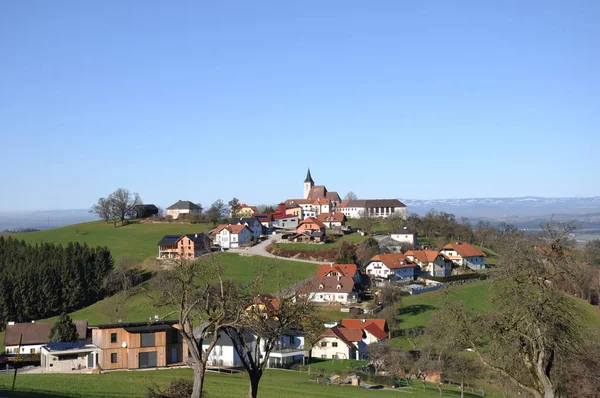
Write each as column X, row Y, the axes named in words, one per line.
column 148, row 359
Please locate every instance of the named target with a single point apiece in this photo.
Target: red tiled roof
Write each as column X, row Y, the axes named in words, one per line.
column 424, row 256
column 270, row 302
column 343, row 269
column 351, row 334
column 331, row 217
column 464, row 249
column 310, row 220
column 376, row 331
column 393, row 260
column 333, row 196
column 344, row 203
column 300, row 201
column 377, row 327
column 322, row 201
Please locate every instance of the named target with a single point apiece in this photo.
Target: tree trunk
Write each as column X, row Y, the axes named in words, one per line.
column 199, row 372
column 253, row 391
column 462, row 388
column 439, row 386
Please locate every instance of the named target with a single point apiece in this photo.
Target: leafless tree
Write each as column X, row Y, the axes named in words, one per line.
column 258, row 332
column 117, row 206
column 103, row 209
column 350, row 196
column 366, row 222
column 204, row 301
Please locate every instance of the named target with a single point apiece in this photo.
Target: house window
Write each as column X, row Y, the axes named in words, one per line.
column 334, row 357
column 323, row 356
column 113, row 337
column 32, row 351
column 113, row 357
column 323, row 344
column 148, row 340
column 334, row 344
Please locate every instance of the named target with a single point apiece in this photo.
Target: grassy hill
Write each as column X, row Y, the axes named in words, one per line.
column 135, row 240
column 274, row 384
column 417, row 310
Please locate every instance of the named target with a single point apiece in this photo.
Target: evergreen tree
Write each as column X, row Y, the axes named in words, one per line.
column 64, row 330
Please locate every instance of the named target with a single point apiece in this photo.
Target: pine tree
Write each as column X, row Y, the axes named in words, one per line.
column 64, row 330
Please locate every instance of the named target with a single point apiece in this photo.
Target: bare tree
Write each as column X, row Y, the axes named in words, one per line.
column 313, row 328
column 233, row 204
column 395, row 222
column 591, row 252
column 366, row 222
column 257, row 334
column 216, row 212
column 117, row 206
column 103, row 209
column 350, row 196
column 204, row 301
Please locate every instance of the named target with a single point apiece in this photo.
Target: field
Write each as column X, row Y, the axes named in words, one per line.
column 275, row 384
column 351, row 238
column 417, row 310
column 137, row 241
column 139, row 307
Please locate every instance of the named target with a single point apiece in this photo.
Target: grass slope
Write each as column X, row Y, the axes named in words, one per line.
column 417, row 310
column 139, row 307
column 274, row 384
column 136, row 240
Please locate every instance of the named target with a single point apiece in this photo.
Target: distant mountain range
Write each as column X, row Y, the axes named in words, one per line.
column 525, row 212
column 498, row 208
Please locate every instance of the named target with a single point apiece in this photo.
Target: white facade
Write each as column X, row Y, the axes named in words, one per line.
column 56, row 361
column 473, row 262
column 25, row 349
column 334, row 348
column 228, row 240
column 380, row 270
column 176, row 212
column 332, row 297
column 287, row 222
column 410, row 238
column 384, row 212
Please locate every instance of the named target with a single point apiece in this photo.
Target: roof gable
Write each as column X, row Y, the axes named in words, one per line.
column 393, row 260
column 465, row 249
column 183, row 205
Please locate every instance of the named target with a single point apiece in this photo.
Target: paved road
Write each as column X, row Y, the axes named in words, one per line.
column 261, row 250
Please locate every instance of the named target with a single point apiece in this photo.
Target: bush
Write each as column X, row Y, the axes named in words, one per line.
column 179, row 388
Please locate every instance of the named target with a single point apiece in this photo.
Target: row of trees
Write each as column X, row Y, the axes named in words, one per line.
column 209, row 306
column 46, row 279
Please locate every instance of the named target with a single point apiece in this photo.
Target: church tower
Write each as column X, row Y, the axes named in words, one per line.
column 308, row 184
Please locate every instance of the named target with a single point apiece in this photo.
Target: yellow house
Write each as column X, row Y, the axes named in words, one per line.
column 243, row 211
column 294, row 211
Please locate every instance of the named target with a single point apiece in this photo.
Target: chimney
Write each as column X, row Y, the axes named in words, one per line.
column 11, row 323
column 331, row 265
column 339, row 277
column 196, row 235
column 363, row 320
column 32, row 321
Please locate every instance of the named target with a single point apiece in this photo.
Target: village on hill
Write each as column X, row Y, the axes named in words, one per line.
column 347, row 310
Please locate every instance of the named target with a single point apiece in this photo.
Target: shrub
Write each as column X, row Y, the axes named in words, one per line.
column 179, row 388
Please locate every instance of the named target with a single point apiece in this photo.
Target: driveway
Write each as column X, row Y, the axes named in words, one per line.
column 261, row 250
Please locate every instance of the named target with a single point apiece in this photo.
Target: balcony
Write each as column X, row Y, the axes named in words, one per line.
column 287, row 350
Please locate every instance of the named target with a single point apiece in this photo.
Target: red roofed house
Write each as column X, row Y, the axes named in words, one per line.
column 340, row 342
column 393, row 266
column 310, row 225
column 329, row 289
column 335, row 270
column 465, row 255
column 432, row 262
column 332, row 220
column 376, row 330
column 230, row 236
column 242, row 210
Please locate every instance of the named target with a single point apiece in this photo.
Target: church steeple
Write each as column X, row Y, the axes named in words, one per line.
column 308, row 184
column 309, row 178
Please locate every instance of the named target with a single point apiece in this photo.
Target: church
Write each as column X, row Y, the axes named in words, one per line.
column 316, row 197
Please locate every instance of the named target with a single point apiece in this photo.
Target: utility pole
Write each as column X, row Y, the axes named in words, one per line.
column 17, row 360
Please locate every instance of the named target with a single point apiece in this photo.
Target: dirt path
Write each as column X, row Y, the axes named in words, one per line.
column 261, row 250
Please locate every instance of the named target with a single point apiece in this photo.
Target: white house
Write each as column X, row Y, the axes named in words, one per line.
column 67, row 357
column 340, row 342
column 322, row 205
column 231, row 236
column 432, row 263
column 332, row 220
column 35, row 335
column 183, row 207
column 375, row 330
column 285, row 221
column 252, row 223
column 324, row 289
column 382, row 208
column 392, row 266
column 405, row 236
column 465, row 255
column 288, row 351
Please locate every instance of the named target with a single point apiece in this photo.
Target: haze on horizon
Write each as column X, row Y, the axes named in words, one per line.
column 210, row 101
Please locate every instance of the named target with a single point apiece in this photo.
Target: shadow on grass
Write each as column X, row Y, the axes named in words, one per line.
column 32, row 394
column 415, row 309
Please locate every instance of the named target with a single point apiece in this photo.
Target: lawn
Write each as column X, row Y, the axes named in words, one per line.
column 351, row 238
column 274, row 384
column 136, row 240
column 139, row 307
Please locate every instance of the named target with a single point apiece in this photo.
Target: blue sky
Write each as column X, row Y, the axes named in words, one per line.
column 206, row 100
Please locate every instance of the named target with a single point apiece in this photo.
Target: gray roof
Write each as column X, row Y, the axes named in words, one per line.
column 37, row 332
column 184, row 205
column 309, row 178
column 369, row 203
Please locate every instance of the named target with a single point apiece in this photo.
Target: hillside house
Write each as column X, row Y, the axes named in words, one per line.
column 183, row 207
column 375, row 330
column 381, row 208
column 252, row 223
column 431, row 262
column 242, row 210
column 330, row 290
column 340, row 342
column 35, row 336
column 231, row 236
column 465, row 255
column 183, row 246
column 285, row 221
column 406, row 236
column 333, row 270
column 138, row 345
column 393, row 267
column 332, row 220
column 144, row 211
